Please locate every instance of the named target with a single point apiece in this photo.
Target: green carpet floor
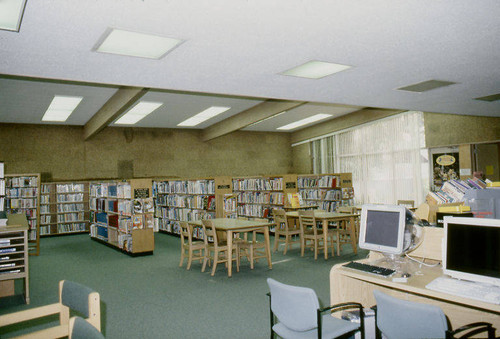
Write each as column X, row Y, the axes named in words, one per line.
column 151, row 297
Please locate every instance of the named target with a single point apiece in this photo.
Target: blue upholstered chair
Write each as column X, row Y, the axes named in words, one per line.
column 299, row 315
column 72, row 297
column 80, row 328
column 396, row 318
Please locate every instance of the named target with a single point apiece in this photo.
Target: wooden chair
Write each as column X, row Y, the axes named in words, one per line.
column 195, row 250
column 252, row 249
column 72, row 296
column 407, row 203
column 344, row 236
column 215, row 250
column 284, row 229
column 423, row 212
column 310, row 232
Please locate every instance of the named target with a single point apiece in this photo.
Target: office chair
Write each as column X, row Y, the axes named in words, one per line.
column 299, row 315
column 79, row 328
column 72, row 296
column 396, row 318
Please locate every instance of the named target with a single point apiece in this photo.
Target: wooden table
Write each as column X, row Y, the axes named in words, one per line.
column 231, row 226
column 326, row 218
column 352, row 285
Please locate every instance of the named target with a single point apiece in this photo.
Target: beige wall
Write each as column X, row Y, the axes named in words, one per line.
column 59, row 153
column 302, row 163
column 453, row 129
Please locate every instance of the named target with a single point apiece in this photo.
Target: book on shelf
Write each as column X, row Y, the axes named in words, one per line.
column 295, row 200
column 137, row 222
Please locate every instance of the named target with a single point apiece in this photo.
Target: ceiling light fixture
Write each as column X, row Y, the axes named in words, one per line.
column 11, row 14
column 118, row 41
column 138, row 112
column 204, row 115
column 61, row 108
column 315, row 69
column 305, row 121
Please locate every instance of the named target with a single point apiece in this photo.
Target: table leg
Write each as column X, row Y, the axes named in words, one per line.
column 352, row 231
column 229, row 253
column 268, row 247
column 325, row 237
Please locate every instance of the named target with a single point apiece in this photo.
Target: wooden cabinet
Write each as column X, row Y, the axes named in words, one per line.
column 23, row 197
column 64, row 208
column 14, row 255
column 121, row 215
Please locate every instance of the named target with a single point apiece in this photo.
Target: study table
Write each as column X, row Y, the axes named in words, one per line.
column 326, row 218
column 231, row 226
column 356, row 286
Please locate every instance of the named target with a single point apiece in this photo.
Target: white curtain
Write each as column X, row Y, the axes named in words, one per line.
column 387, row 159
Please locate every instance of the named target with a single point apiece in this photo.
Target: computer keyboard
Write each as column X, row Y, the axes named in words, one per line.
column 370, row 268
column 467, row 289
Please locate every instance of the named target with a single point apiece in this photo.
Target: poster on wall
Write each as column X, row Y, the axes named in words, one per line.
column 445, row 167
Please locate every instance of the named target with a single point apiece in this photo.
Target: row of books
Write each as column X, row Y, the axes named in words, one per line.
column 111, row 190
column 14, row 203
column 184, row 187
column 127, row 224
column 274, row 198
column 258, row 184
column 125, row 242
column 256, row 211
column 454, row 190
column 67, row 217
column 69, row 208
column 74, row 227
column 311, row 194
column 327, row 181
column 24, row 192
column 22, row 182
column 72, row 197
column 206, row 202
column 183, row 214
column 70, row 188
column 2, row 186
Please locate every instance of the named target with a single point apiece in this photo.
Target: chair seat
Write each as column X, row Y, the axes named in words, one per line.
column 332, row 328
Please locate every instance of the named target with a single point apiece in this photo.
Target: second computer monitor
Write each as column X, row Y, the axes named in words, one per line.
column 382, row 228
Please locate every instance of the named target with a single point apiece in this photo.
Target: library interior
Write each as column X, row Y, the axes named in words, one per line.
column 228, row 170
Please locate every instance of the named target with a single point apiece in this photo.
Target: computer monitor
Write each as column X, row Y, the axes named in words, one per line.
column 471, row 249
column 382, row 228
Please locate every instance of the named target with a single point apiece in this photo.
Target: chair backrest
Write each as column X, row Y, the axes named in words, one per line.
column 346, row 209
column 81, row 299
column 79, row 328
column 307, row 220
column 209, row 231
column 398, row 318
column 280, row 219
column 186, row 233
column 295, row 307
column 423, row 211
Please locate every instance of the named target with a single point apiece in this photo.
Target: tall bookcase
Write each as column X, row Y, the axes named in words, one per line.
column 183, row 200
column 121, row 215
column 64, row 208
column 2, row 187
column 23, row 197
column 327, row 191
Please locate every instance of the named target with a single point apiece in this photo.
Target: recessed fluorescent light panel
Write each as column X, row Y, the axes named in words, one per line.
column 138, row 112
column 315, row 69
column 204, row 115
column 305, row 121
column 426, row 86
column 118, row 41
column 11, row 14
column 490, row 98
column 61, row 108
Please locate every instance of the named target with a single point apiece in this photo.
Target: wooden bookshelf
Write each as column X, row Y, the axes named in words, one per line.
column 23, row 197
column 122, row 215
column 64, row 208
column 2, row 186
column 179, row 200
column 327, row 191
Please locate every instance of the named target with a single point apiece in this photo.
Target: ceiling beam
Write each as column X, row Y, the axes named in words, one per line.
column 345, row 121
column 121, row 101
column 254, row 114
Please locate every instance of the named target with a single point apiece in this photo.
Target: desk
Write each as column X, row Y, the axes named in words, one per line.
column 326, row 218
column 350, row 285
column 231, row 226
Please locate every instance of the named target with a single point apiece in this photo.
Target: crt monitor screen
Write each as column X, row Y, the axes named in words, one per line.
column 472, row 249
column 382, row 228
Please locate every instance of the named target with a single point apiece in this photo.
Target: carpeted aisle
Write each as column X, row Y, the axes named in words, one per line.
column 151, row 297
